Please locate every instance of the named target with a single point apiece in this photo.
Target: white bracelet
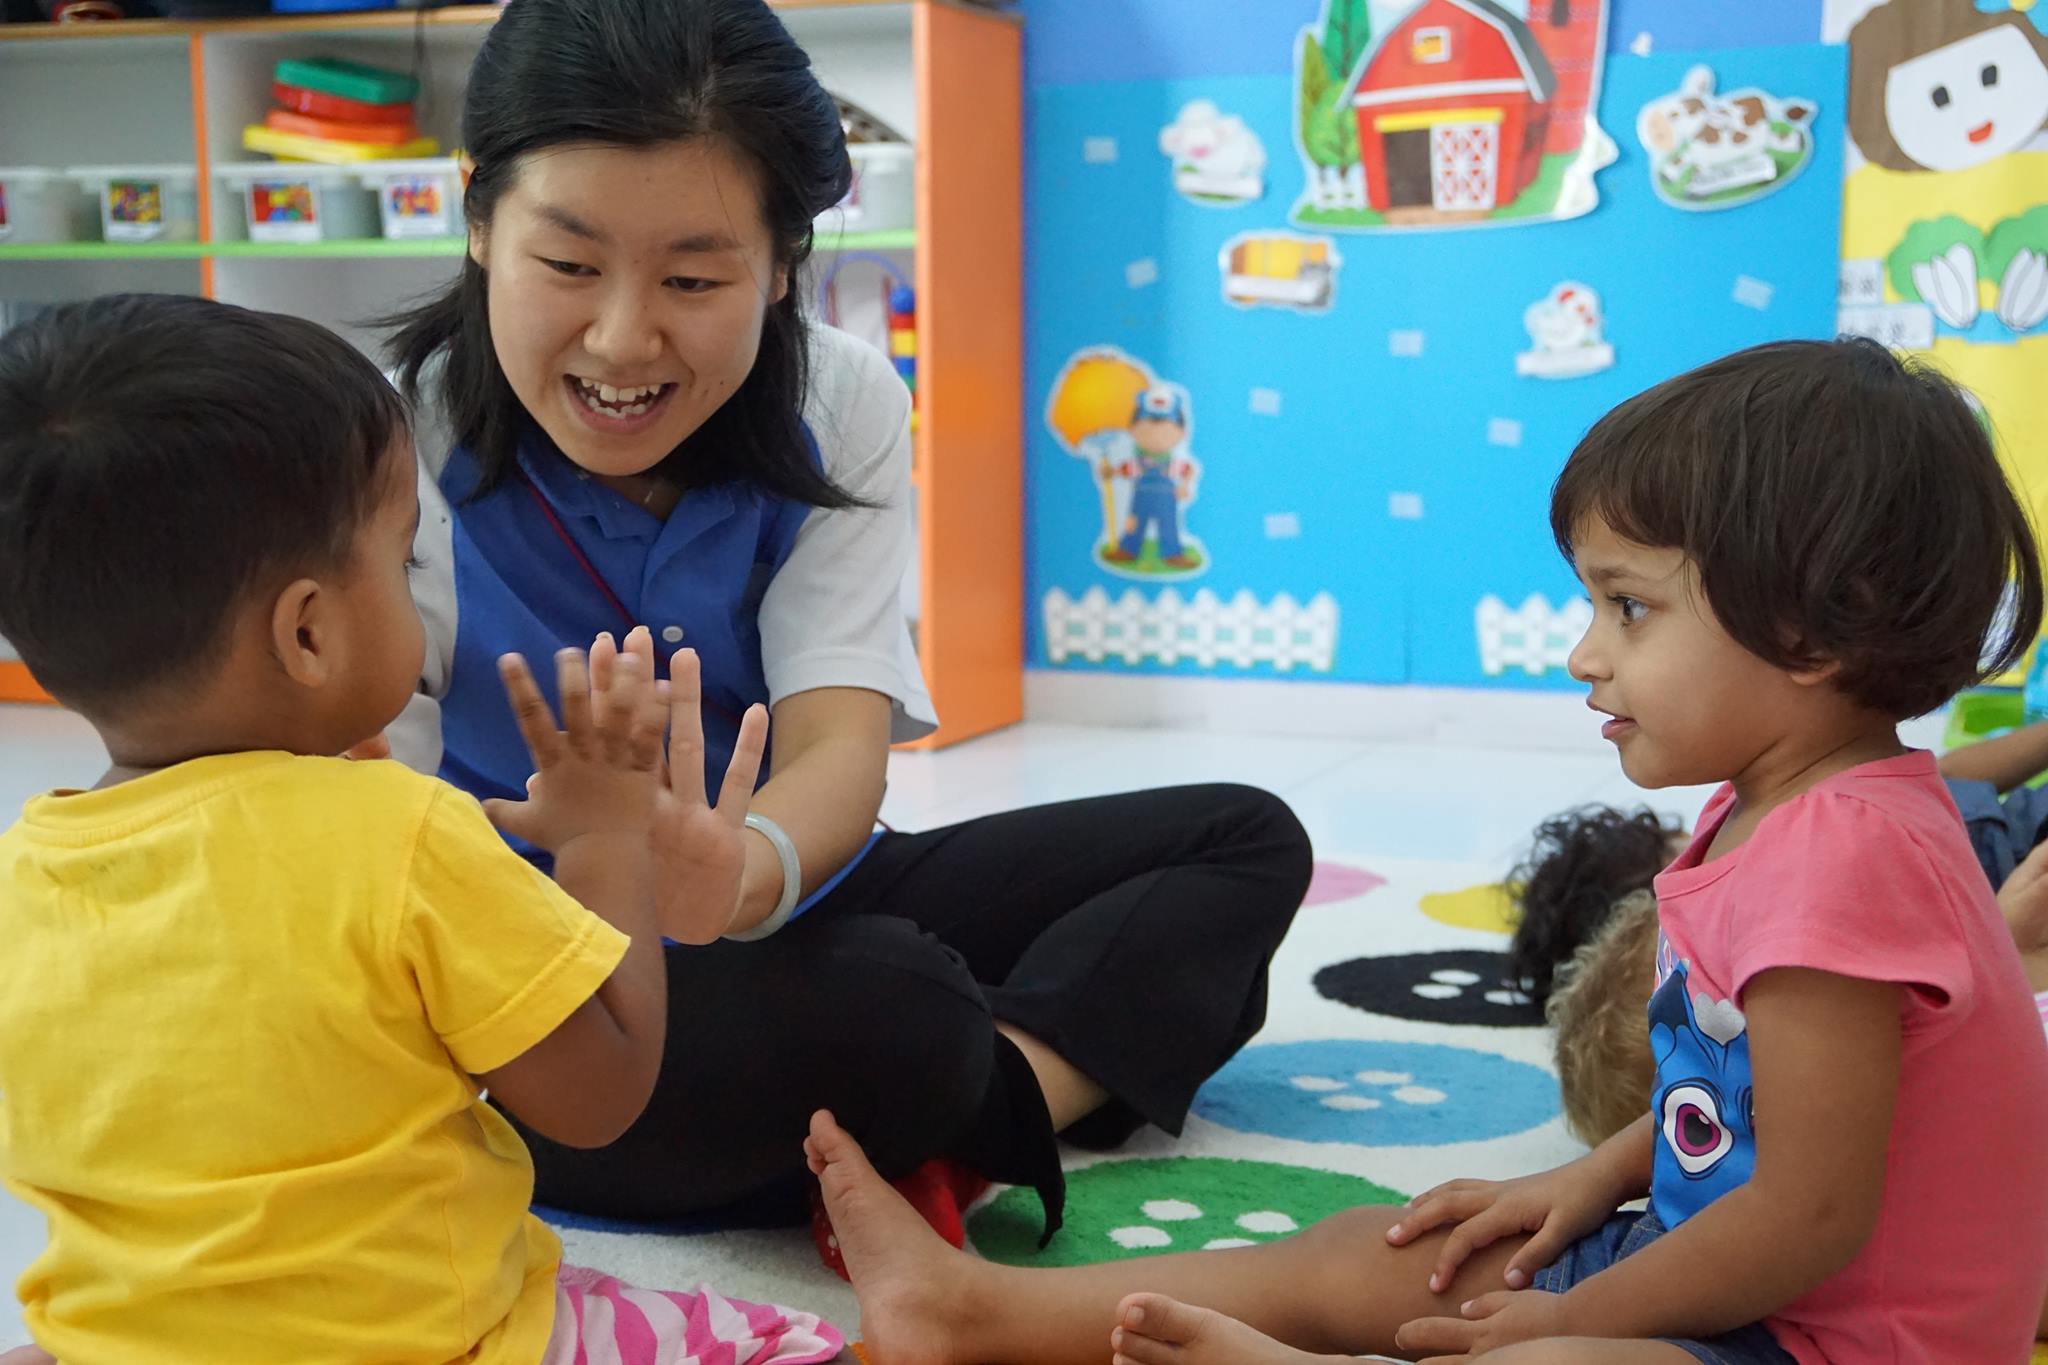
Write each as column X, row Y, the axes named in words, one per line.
column 792, row 880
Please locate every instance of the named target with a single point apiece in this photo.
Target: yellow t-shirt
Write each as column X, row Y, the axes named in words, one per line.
column 241, row 1001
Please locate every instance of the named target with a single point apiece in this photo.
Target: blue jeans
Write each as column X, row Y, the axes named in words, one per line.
column 1622, row 1236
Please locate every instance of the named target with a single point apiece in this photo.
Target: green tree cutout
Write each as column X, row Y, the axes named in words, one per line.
column 1329, row 133
column 1347, row 33
column 1322, row 137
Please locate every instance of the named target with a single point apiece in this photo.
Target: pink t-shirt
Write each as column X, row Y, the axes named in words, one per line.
column 1868, row 875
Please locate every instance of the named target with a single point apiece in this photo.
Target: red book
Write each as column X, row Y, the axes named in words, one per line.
column 313, row 103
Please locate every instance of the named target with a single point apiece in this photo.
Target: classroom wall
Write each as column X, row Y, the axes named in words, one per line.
column 1368, row 474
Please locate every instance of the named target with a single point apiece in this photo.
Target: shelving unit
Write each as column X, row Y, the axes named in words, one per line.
column 947, row 74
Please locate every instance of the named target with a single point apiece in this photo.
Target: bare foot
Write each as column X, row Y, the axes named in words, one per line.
column 1157, row 1330
column 912, row 1287
column 28, row 1355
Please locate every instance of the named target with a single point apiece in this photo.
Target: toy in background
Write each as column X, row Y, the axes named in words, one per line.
column 883, row 194
column 1217, row 159
column 885, row 317
column 903, row 337
column 1567, row 328
column 1280, row 270
column 340, row 113
column 1710, row 151
column 1457, row 112
column 1133, row 430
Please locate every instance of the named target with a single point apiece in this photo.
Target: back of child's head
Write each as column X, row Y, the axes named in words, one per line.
column 1601, row 1011
column 1841, row 508
column 162, row 460
column 1581, row 863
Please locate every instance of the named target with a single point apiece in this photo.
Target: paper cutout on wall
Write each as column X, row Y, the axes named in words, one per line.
column 1217, row 159
column 1710, row 151
column 1534, row 637
column 1133, row 430
column 1944, row 85
column 1203, row 629
column 1566, row 328
column 1280, row 270
column 1450, row 113
column 1945, row 226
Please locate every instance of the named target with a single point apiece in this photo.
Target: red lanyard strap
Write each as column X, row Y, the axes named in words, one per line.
column 626, row 621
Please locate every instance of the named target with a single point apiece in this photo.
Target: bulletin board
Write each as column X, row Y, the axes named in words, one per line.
column 1287, row 421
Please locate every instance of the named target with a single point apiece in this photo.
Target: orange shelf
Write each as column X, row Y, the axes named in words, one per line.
column 451, row 16
column 970, row 366
column 17, row 685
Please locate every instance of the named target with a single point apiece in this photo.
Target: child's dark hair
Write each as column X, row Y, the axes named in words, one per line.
column 161, row 457
column 638, row 73
column 1581, row 863
column 1841, row 508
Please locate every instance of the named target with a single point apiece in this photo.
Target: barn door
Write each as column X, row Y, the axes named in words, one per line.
column 1465, row 158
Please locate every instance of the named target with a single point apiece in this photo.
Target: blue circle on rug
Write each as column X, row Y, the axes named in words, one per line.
column 1378, row 1094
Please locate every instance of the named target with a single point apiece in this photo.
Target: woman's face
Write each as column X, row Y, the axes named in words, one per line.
column 627, row 291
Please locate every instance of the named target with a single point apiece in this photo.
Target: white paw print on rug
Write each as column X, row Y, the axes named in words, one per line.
column 1156, row 1234
column 1448, row 983
column 1398, row 1086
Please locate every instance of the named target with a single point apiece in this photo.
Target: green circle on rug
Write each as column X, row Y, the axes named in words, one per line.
column 1117, row 1210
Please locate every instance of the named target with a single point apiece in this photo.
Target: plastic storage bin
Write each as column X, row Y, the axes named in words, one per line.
column 38, row 204
column 884, row 193
column 144, row 203
column 295, row 203
column 416, row 199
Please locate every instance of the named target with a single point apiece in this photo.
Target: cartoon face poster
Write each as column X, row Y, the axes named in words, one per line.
column 1133, row 430
column 1449, row 113
column 1945, row 221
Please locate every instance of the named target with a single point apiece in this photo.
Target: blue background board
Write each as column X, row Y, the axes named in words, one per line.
column 1357, row 423
column 1071, row 41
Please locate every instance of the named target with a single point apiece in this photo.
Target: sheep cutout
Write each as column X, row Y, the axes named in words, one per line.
column 1710, row 151
column 1217, row 160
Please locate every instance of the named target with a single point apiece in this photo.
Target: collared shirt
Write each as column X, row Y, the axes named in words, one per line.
column 777, row 598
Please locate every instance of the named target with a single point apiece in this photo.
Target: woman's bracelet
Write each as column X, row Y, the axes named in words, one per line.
column 792, row 880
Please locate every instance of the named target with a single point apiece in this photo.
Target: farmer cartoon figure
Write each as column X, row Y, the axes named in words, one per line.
column 1162, row 477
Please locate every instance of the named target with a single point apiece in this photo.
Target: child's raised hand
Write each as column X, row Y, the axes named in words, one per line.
column 700, row 853
column 601, row 772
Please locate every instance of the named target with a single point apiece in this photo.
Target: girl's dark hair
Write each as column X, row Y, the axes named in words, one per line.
column 161, row 458
column 1841, row 508
column 637, row 73
column 1581, row 864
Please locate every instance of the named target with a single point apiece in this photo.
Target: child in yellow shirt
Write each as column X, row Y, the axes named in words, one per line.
column 251, row 992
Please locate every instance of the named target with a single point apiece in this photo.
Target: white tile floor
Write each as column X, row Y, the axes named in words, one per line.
column 1356, row 798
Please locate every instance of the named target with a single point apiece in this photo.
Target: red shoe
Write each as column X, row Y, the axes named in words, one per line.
column 940, row 1191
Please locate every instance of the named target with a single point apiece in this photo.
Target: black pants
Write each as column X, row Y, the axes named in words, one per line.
column 1130, row 933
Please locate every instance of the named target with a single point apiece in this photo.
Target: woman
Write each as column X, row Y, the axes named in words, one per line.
column 626, row 420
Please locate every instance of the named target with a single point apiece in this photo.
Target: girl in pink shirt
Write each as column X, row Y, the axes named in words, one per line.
column 1790, row 551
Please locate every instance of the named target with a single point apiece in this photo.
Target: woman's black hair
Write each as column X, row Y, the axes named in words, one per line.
column 1581, row 863
column 638, row 73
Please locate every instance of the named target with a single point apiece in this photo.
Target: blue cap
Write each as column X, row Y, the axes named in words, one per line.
column 1161, row 404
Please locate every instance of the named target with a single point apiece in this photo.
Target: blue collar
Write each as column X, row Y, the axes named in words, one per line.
column 574, row 493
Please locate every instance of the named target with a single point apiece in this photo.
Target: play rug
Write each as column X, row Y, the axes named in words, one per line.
column 1392, row 1059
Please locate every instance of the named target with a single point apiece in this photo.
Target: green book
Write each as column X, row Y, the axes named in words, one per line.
column 349, row 80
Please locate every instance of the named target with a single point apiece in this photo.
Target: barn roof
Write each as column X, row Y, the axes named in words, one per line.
column 1528, row 53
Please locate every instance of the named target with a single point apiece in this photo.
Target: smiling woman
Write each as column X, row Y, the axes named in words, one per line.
column 626, row 421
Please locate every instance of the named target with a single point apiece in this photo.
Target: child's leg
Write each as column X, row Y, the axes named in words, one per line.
column 1167, row 1332
column 28, row 1355
column 1337, row 1288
